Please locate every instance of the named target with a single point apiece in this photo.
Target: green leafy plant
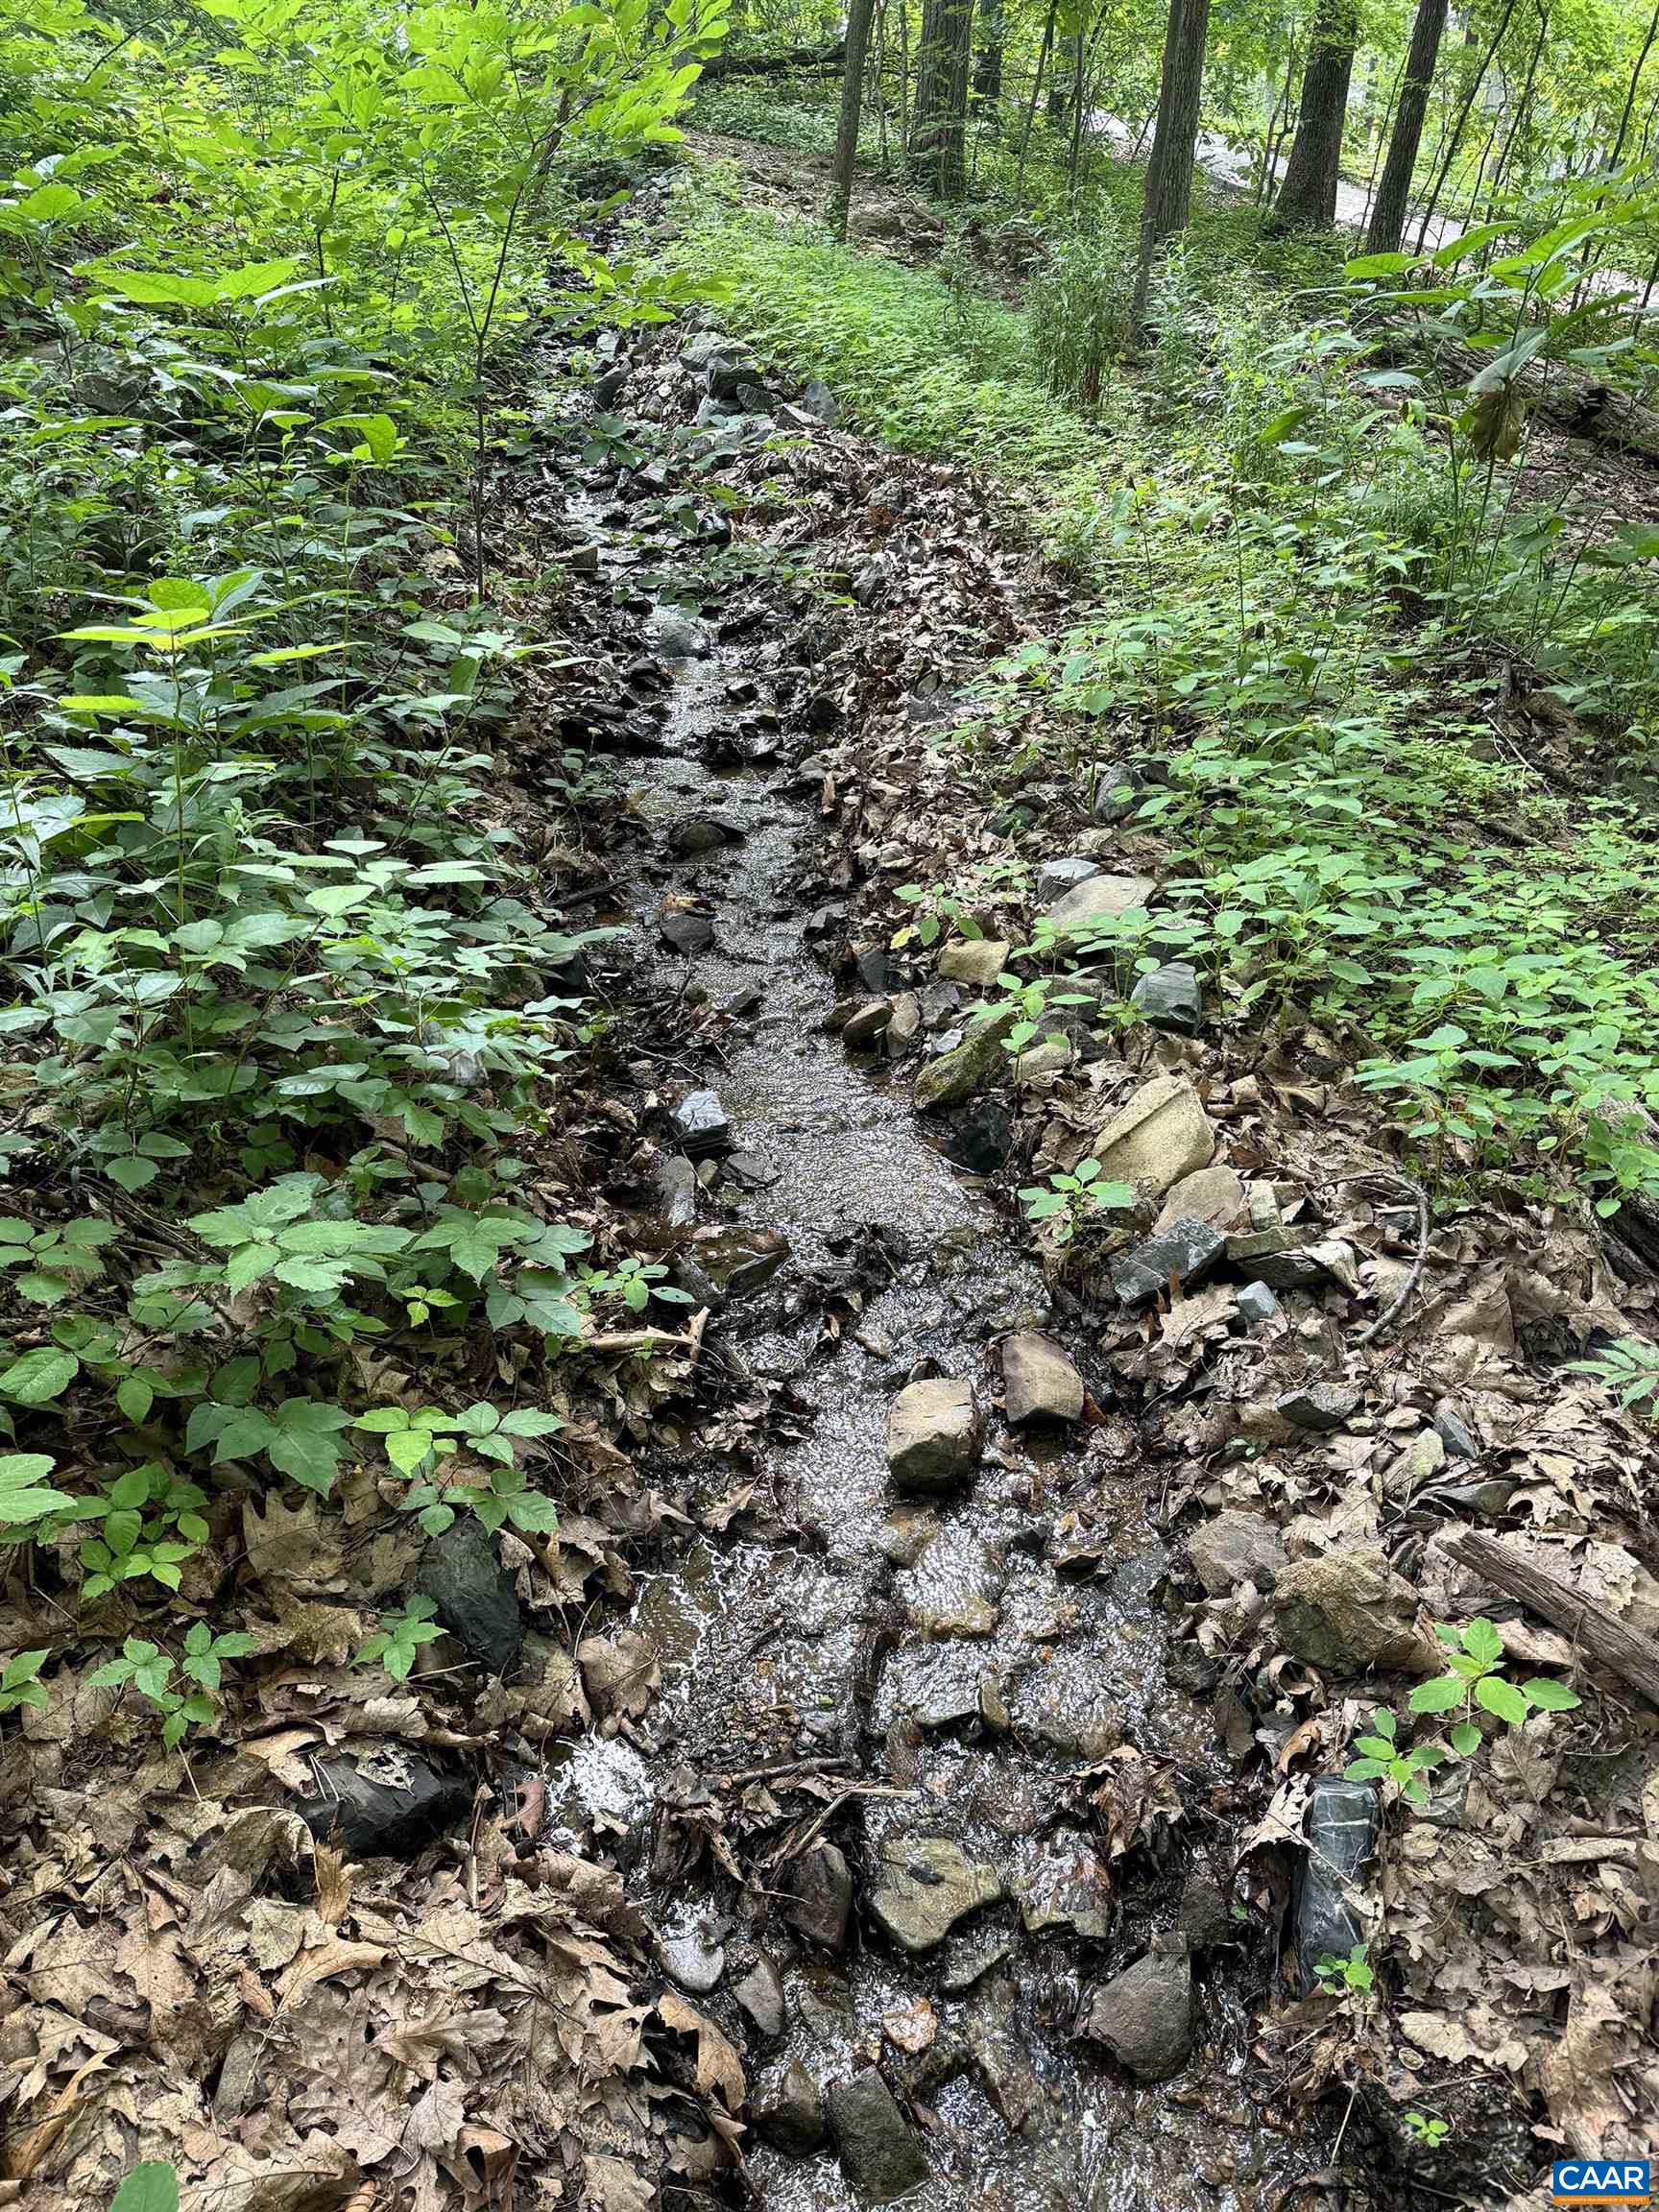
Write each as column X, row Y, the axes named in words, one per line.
column 1426, row 2129
column 1474, row 1676
column 1068, row 1198
column 1351, row 1976
column 19, row 1683
column 158, row 1676
column 397, row 1640
column 153, row 2187
column 1401, row 1767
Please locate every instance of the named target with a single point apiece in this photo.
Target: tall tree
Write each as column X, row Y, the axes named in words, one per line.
column 1307, row 197
column 1455, row 137
column 1168, row 200
column 1394, row 193
column 858, row 16
column 938, row 122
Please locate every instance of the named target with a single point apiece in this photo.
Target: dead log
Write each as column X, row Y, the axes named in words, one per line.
column 1633, row 1658
column 1564, row 395
column 774, row 65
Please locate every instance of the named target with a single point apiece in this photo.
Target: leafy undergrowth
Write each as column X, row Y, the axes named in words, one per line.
column 1297, row 595
column 1280, row 713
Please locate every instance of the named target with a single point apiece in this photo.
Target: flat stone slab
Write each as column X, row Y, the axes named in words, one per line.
column 1157, row 1135
column 1098, row 901
column 925, row 1885
column 1039, row 1382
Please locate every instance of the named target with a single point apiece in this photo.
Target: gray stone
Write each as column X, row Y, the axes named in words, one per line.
column 1255, row 1304
column 683, row 930
column 1235, row 1548
column 974, row 1066
column 821, row 1897
column 1055, row 878
column 1044, row 1063
column 1116, row 792
column 1040, row 1382
column 1144, row 2017
column 1064, row 1886
column 1456, row 1433
column 969, row 1959
column 701, row 1125
column 904, row 1026
column 933, row 1435
column 937, row 1686
column 1348, row 1611
column 701, row 834
column 698, row 352
column 676, row 1184
column 976, row 961
column 692, row 1952
column 818, row 399
column 1422, row 1459
column 1184, row 1254
column 1214, row 1194
column 760, row 1994
column 1262, row 1201
column 677, row 636
column 1322, row 1407
column 1170, row 999
column 863, row 1030
column 1204, row 1917
column 924, row 1886
column 1157, row 1135
column 880, row 2155
column 788, row 2107
column 461, row 1572
column 1098, row 901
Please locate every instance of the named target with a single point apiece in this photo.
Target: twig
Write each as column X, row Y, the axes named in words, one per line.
column 1402, row 1297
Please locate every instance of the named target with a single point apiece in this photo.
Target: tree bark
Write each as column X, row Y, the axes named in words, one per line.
column 1307, row 197
column 1168, row 200
column 858, row 16
column 988, row 65
column 1616, row 155
column 939, row 118
column 1462, row 124
column 1394, row 194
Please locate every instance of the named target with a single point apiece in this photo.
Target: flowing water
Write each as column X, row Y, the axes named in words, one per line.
column 968, row 1668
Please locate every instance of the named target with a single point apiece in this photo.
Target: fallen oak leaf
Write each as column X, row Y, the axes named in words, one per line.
column 718, row 2066
column 322, row 1963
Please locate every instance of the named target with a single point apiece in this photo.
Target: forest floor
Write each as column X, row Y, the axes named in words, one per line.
column 912, row 1766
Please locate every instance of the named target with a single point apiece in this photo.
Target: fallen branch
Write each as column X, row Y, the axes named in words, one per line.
column 617, row 1341
column 1633, row 1658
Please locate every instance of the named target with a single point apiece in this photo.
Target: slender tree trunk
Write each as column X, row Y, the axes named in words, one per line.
column 1461, row 125
column 1307, row 197
column 1168, row 200
column 1377, row 151
column 1387, row 225
column 939, row 119
column 1076, row 150
column 1036, row 88
column 1515, row 135
column 858, row 16
column 988, row 67
column 1617, row 154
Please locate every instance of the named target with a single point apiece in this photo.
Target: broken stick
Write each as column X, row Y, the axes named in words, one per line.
column 1632, row 1657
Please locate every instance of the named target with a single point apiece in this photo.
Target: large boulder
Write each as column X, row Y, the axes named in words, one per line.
column 1348, row 1611
column 1144, row 2016
column 924, row 1884
column 1157, row 1135
column 933, row 1435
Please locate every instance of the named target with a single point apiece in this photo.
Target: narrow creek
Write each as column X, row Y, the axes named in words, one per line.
column 979, row 1681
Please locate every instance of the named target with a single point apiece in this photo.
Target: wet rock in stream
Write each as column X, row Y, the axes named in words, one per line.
column 880, row 2155
column 760, row 1994
column 933, row 1435
column 1144, row 2016
column 788, row 2112
column 924, row 1886
column 821, row 1897
column 1040, row 1382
